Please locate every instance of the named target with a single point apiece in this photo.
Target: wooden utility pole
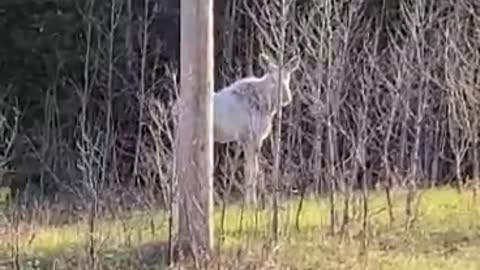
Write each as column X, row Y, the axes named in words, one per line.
column 195, row 129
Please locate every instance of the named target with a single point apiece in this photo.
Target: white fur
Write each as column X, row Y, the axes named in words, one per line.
column 243, row 110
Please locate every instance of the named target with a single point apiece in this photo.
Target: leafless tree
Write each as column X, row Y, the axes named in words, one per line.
column 9, row 120
column 275, row 22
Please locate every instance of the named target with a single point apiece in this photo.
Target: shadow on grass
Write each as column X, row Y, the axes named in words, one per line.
column 152, row 256
column 442, row 243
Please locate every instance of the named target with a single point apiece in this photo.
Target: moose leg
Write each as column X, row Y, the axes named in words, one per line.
column 261, row 186
column 251, row 172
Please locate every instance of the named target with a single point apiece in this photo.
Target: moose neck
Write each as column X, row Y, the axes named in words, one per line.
column 271, row 92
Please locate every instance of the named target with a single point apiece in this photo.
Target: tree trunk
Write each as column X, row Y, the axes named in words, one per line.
column 195, row 129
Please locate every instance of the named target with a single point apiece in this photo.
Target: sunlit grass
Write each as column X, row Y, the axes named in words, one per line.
column 446, row 234
column 132, row 231
column 3, row 195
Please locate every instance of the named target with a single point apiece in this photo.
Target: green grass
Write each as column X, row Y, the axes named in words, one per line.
column 3, row 195
column 446, row 235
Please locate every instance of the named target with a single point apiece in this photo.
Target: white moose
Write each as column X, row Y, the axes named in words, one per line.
column 243, row 112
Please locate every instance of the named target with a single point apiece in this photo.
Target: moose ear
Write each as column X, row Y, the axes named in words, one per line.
column 266, row 62
column 293, row 64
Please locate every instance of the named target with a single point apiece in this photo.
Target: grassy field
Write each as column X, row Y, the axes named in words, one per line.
column 446, row 235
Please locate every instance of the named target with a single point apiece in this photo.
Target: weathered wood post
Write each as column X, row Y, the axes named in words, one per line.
column 195, row 129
